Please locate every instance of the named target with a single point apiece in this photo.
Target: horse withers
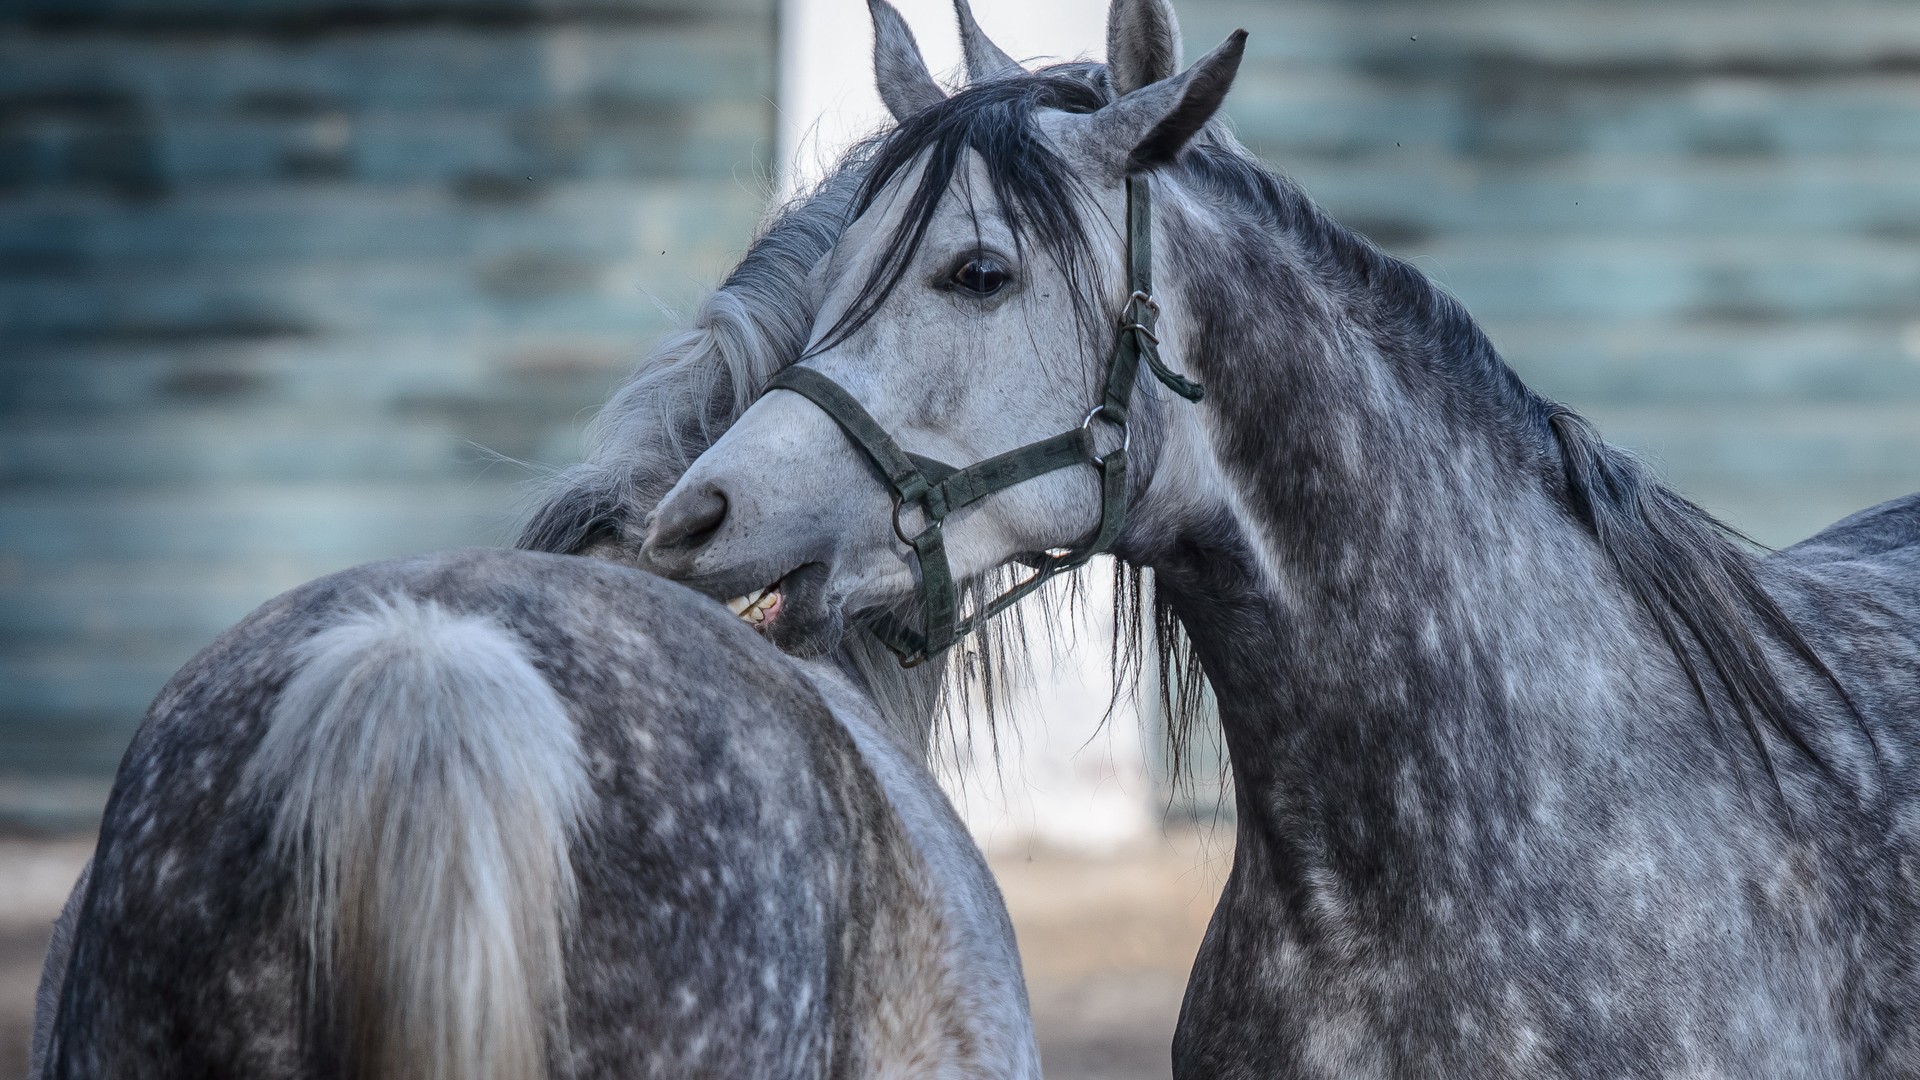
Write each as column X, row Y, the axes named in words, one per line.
column 1539, row 772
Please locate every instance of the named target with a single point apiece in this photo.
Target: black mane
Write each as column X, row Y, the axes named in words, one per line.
column 1696, row 577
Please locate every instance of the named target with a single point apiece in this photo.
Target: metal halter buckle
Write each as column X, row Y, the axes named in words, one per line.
column 1126, row 433
column 1135, row 298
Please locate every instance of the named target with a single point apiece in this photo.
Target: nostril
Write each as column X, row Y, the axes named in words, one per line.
column 690, row 520
column 712, row 511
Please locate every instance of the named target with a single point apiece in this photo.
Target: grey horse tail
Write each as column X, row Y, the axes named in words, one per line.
column 429, row 785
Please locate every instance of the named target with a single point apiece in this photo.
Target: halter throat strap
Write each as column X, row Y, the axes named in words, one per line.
column 937, row 489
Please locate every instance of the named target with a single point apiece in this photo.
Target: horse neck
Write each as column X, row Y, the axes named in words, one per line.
column 1394, row 610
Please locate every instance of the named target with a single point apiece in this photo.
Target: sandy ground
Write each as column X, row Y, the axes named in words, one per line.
column 1107, row 944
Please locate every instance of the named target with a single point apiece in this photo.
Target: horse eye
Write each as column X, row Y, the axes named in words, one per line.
column 982, row 275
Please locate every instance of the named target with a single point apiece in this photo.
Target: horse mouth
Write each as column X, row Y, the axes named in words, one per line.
column 793, row 612
column 759, row 608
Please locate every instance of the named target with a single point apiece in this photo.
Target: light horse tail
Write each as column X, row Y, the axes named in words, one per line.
column 428, row 784
column 497, row 815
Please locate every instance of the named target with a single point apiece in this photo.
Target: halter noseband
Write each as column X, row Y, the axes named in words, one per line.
column 939, row 489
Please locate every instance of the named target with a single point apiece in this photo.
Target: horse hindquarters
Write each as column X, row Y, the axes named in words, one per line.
column 356, row 838
column 414, row 790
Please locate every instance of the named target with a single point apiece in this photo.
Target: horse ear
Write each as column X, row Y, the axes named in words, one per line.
column 985, row 60
column 1152, row 124
column 1143, row 43
column 898, row 69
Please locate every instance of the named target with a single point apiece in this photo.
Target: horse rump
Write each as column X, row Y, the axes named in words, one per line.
column 340, row 845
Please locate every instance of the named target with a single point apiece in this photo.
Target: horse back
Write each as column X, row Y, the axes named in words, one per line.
column 1854, row 590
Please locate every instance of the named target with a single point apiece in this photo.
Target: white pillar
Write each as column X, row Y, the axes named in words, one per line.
column 1063, row 778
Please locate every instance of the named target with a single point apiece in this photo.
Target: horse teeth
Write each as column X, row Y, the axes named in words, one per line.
column 754, row 606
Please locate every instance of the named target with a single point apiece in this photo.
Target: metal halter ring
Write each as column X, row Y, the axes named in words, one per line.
column 1140, row 296
column 932, row 522
column 1126, row 432
column 1142, row 328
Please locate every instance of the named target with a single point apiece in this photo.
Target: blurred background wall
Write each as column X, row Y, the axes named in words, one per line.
column 278, row 277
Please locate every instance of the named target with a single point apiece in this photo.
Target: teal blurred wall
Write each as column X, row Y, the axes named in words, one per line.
column 271, row 271
column 1696, row 220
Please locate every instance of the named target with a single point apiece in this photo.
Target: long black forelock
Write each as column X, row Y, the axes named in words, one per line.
column 1032, row 185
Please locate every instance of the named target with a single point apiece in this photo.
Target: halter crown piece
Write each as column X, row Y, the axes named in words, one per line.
column 938, row 489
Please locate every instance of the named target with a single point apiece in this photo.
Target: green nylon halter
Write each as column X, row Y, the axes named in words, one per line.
column 939, row 489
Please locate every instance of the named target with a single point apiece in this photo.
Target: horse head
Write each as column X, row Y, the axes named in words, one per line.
column 986, row 382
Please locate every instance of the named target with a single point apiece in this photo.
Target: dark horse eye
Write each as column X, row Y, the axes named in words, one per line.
column 982, row 275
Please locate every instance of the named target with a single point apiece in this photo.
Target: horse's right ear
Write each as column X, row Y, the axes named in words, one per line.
column 1148, row 127
column 899, row 72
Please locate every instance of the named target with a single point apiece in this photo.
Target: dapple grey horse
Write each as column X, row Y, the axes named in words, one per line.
column 1539, row 771
column 515, row 814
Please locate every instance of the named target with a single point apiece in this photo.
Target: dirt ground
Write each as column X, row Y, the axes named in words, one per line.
column 1107, row 943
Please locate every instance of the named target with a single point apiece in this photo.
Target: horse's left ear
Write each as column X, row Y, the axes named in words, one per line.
column 1146, row 128
column 899, row 72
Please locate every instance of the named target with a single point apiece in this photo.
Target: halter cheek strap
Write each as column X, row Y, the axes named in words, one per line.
column 937, row 489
